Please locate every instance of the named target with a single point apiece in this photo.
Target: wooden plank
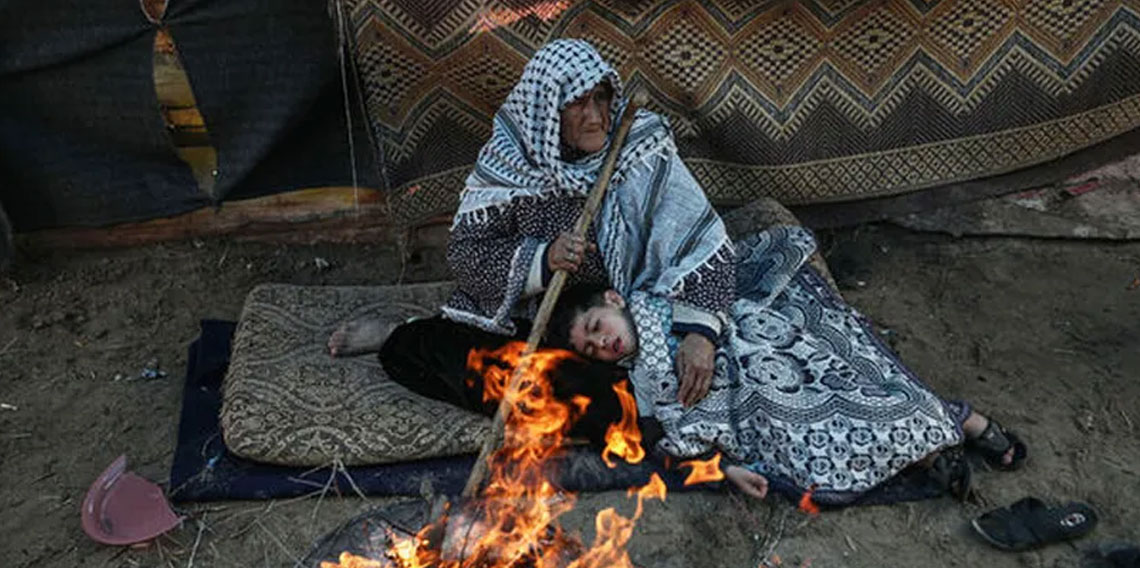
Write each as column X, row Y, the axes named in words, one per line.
column 327, row 214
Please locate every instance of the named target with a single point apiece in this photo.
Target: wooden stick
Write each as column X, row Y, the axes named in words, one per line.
column 593, row 202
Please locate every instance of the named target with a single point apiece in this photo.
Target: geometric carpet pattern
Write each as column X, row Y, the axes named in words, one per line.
column 804, row 102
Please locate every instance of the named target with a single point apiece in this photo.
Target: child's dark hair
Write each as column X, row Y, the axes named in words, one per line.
column 573, row 301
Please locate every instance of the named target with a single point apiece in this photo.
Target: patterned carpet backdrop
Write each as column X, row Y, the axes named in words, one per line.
column 806, row 102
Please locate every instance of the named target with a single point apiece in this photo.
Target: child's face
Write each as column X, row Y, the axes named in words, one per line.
column 604, row 332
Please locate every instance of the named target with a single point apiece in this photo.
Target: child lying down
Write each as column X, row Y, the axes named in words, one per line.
column 802, row 388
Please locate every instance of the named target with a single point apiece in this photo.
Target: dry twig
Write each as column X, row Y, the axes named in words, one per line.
column 262, row 513
column 774, row 538
column 351, row 481
column 764, row 548
column 321, row 497
column 197, row 541
column 4, row 351
column 278, row 542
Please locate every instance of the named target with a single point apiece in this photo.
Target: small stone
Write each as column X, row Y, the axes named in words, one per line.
column 1086, row 422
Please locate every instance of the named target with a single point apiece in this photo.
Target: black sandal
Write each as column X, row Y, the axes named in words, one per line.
column 994, row 442
column 1030, row 523
column 952, row 471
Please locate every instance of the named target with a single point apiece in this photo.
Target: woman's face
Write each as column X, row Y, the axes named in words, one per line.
column 604, row 332
column 586, row 120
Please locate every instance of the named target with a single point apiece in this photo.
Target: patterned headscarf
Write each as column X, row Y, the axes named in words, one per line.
column 524, row 155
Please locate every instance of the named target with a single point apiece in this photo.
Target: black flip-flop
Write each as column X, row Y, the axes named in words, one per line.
column 1030, row 523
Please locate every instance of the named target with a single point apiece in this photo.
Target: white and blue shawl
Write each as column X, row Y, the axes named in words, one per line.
column 656, row 226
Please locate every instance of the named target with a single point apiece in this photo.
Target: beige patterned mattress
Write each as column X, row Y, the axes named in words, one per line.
column 285, row 401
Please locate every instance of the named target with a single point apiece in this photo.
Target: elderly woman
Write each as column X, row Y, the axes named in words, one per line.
column 530, row 184
column 656, row 237
column 528, row 187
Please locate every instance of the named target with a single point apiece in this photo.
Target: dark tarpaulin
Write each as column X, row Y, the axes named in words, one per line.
column 268, row 83
column 82, row 140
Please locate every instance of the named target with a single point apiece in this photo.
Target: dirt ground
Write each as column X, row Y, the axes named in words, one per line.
column 1044, row 334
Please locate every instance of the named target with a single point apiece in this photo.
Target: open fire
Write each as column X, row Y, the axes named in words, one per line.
column 514, row 523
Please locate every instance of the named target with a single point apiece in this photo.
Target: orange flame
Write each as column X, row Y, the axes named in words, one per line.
column 516, row 521
column 623, row 438
column 703, row 471
column 613, row 531
column 806, row 504
column 581, row 403
column 349, row 560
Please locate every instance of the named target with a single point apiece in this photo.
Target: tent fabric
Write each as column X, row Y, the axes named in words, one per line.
column 268, row 83
column 809, row 103
column 82, row 140
column 806, row 102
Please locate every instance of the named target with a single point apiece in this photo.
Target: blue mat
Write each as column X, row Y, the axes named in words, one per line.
column 204, row 470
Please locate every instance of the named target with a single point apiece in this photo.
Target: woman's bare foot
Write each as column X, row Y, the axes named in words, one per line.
column 357, row 337
column 748, row 481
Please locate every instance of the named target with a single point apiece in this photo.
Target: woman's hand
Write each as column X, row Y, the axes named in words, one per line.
column 567, row 252
column 695, row 364
column 748, row 481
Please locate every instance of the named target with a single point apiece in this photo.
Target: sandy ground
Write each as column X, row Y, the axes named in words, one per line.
column 1044, row 334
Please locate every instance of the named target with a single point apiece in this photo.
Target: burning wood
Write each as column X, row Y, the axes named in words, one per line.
column 515, row 523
